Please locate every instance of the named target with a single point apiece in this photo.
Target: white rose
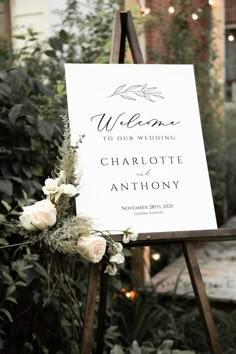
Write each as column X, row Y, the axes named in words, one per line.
column 51, row 186
column 130, row 235
column 111, row 269
column 92, row 248
column 133, row 236
column 68, row 189
column 117, row 258
column 116, row 247
column 39, row 216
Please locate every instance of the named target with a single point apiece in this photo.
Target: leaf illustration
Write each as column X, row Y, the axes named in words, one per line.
column 149, row 99
column 156, row 94
column 118, row 89
column 140, row 94
column 128, row 97
column 133, row 88
column 137, row 90
column 150, row 89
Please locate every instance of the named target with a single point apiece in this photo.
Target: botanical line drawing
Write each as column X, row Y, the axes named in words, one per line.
column 129, row 93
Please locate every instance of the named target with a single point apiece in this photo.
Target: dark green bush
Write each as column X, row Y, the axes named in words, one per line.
column 28, row 140
column 230, row 132
column 41, row 295
column 150, row 319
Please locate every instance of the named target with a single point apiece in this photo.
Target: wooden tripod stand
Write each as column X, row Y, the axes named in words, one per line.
column 124, row 28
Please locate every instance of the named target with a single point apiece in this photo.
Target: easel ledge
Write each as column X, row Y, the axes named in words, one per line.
column 152, row 238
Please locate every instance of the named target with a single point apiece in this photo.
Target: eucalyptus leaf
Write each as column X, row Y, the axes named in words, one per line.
column 135, row 349
column 45, row 129
column 10, row 290
column 6, row 205
column 15, row 113
column 6, row 187
column 11, row 299
column 7, row 314
column 117, row 349
column 5, row 89
column 3, row 242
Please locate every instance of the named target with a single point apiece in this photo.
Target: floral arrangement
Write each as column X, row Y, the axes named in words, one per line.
column 52, row 221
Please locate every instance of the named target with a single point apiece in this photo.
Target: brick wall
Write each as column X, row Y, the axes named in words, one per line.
column 230, row 12
column 154, row 33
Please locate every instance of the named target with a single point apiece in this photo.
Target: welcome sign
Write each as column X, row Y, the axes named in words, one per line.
column 141, row 152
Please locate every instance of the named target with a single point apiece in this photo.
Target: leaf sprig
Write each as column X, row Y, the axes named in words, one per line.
column 129, row 93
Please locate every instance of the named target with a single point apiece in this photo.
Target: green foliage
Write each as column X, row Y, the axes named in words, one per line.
column 152, row 324
column 5, row 54
column 37, row 307
column 27, row 139
column 148, row 348
column 98, row 35
column 230, row 127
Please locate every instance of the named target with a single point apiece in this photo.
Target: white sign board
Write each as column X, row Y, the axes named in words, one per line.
column 142, row 158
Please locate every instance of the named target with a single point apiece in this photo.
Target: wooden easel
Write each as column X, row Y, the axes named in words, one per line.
column 124, row 28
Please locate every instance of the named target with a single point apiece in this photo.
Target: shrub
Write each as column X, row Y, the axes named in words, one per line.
column 41, row 295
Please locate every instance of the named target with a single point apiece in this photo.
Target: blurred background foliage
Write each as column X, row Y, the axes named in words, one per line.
column 42, row 296
column 181, row 41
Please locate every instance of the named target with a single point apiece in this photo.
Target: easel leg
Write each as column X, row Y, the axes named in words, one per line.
column 201, row 297
column 102, row 310
column 89, row 310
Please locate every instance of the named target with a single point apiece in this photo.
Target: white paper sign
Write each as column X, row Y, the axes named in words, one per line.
column 142, row 158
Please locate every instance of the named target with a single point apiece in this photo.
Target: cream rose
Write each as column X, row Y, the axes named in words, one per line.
column 39, row 216
column 92, row 248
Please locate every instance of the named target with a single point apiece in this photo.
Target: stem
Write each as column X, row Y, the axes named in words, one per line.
column 16, row 244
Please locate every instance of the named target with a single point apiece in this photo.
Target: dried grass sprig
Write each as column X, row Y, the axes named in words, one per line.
column 65, row 170
column 65, row 237
column 67, row 157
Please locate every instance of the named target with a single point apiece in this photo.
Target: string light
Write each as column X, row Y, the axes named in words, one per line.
column 131, row 294
column 194, row 16
column 171, row 9
column 145, row 11
column 231, row 38
column 211, row 2
column 156, row 256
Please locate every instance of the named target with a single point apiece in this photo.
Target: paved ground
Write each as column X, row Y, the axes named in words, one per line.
column 217, row 262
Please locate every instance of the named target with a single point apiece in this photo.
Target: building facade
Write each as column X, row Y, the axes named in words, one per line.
column 18, row 15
